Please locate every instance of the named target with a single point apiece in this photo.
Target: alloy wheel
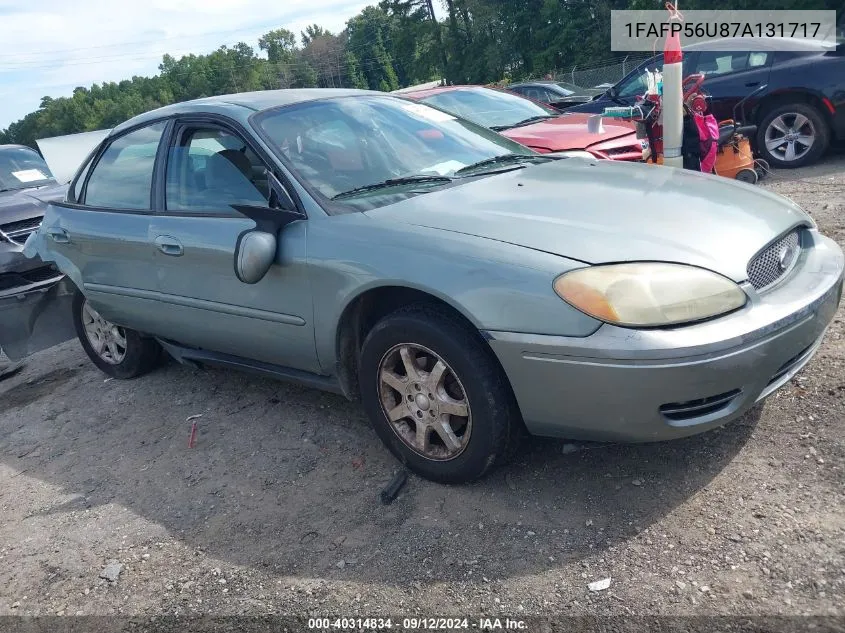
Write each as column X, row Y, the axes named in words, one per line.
column 424, row 402
column 790, row 136
column 107, row 339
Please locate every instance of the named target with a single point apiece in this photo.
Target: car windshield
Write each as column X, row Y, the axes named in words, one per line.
column 491, row 108
column 21, row 168
column 367, row 150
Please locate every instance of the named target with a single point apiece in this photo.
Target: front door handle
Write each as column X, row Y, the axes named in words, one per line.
column 60, row 236
column 751, row 84
column 169, row 245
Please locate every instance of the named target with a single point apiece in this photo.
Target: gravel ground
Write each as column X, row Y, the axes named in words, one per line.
column 105, row 509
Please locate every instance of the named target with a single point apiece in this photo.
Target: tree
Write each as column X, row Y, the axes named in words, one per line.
column 312, row 32
column 279, row 44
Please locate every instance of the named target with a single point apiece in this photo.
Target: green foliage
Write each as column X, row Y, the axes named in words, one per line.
column 394, row 43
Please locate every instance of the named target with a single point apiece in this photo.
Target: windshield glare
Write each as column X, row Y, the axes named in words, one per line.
column 21, row 168
column 490, row 108
column 337, row 145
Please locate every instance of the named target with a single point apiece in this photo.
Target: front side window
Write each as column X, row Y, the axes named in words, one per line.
column 21, row 168
column 491, row 108
column 210, row 169
column 123, row 176
column 339, row 145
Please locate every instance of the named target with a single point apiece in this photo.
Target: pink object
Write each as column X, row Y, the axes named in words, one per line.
column 708, row 135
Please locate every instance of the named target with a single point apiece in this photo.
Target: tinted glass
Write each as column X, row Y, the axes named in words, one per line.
column 714, row 63
column 209, row 170
column 490, row 108
column 123, row 176
column 336, row 145
column 635, row 84
column 21, row 168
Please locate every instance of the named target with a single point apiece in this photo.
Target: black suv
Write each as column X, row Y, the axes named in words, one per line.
column 799, row 107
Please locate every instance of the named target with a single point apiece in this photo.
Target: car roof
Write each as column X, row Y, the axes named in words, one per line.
column 539, row 82
column 428, row 92
column 243, row 102
column 13, row 146
column 762, row 44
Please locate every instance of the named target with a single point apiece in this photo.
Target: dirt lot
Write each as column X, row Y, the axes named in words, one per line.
column 276, row 508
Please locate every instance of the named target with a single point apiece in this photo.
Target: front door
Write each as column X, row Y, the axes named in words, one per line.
column 729, row 77
column 204, row 304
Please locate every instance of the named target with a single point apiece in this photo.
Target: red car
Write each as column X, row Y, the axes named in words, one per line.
column 537, row 126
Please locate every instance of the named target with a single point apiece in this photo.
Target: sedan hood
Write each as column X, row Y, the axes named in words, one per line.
column 605, row 211
column 23, row 204
column 568, row 131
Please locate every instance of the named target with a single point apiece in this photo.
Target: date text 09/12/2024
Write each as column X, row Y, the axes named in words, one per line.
column 416, row 624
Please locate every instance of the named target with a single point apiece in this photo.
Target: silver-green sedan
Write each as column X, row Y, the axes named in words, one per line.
column 465, row 288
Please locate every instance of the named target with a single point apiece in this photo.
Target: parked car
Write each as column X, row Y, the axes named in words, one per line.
column 799, row 110
column 558, row 94
column 464, row 287
column 535, row 125
column 26, row 186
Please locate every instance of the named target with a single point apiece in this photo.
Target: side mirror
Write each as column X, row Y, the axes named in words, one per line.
column 254, row 254
column 612, row 92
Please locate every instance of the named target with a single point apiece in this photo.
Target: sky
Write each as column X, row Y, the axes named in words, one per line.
column 49, row 47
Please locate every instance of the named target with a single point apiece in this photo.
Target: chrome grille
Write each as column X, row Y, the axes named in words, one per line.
column 17, row 232
column 774, row 261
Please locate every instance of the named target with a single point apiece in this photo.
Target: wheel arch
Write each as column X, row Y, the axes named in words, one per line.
column 363, row 310
column 793, row 95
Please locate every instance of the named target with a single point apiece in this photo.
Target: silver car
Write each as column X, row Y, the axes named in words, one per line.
column 465, row 288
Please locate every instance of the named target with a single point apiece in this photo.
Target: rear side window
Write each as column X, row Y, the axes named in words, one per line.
column 122, row 178
column 712, row 63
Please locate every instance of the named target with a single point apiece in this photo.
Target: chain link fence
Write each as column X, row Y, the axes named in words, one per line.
column 599, row 73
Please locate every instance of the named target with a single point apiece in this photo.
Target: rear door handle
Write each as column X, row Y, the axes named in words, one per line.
column 751, row 84
column 169, row 245
column 60, row 236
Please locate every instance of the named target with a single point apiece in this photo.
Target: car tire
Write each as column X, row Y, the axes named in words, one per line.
column 118, row 352
column 455, row 383
column 780, row 123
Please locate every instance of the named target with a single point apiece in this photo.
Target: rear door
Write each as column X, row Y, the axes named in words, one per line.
column 102, row 240
column 210, row 167
column 732, row 76
column 99, row 238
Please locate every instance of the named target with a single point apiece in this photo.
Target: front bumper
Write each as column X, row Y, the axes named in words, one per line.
column 34, row 304
column 646, row 385
column 19, row 274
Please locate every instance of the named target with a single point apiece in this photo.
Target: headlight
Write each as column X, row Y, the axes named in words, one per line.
column 649, row 294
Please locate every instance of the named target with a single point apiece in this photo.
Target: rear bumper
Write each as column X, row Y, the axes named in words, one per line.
column 647, row 385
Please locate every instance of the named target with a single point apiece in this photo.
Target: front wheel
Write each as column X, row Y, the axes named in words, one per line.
column 436, row 395
column 118, row 352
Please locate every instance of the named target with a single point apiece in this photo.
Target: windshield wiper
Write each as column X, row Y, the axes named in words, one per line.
column 499, row 160
column 393, row 182
column 528, row 121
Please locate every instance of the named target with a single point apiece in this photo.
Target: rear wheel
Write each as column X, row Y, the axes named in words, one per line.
column 117, row 351
column 793, row 135
column 436, row 396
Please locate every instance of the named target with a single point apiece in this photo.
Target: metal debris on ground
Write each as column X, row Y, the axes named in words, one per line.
column 389, row 493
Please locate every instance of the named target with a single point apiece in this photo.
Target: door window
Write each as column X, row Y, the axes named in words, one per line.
column 123, row 176
column 210, row 169
column 715, row 63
